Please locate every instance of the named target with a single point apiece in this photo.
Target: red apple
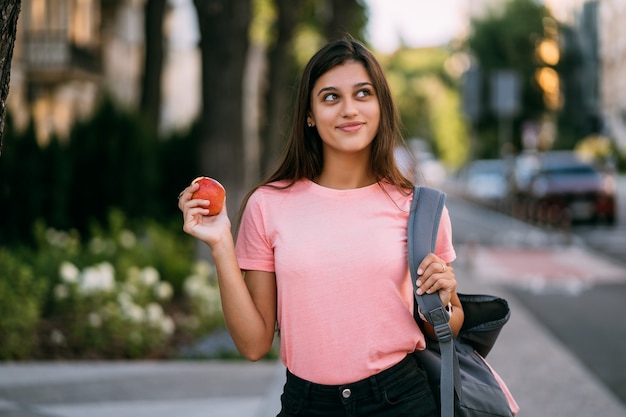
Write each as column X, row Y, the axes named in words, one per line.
column 211, row 190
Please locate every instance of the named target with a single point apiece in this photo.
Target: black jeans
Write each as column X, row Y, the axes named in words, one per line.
column 401, row 390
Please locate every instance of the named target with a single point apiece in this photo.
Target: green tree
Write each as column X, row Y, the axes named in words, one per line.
column 509, row 41
column 428, row 101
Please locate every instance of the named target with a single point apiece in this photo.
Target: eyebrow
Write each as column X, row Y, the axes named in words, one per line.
column 357, row 85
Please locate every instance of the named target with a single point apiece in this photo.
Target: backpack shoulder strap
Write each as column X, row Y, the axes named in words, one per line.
column 426, row 209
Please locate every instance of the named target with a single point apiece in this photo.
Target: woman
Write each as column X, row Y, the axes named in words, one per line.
column 322, row 246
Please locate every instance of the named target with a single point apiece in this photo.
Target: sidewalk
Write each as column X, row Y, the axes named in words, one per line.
column 544, row 377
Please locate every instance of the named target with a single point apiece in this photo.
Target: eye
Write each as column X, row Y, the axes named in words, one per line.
column 330, row 97
column 366, row 92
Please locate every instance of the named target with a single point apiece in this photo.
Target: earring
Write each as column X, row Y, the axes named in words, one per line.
column 309, row 124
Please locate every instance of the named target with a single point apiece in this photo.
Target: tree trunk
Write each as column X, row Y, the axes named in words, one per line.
column 338, row 17
column 154, row 12
column 345, row 16
column 224, row 43
column 280, row 83
column 9, row 12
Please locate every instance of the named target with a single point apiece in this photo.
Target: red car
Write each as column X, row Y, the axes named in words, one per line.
column 565, row 187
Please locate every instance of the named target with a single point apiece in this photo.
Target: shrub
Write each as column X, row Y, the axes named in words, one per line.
column 126, row 292
column 21, row 295
column 109, row 161
column 102, row 315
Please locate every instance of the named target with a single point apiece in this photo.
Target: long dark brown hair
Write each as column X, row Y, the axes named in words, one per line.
column 303, row 156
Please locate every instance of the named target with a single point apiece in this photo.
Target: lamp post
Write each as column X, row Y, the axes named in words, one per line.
column 505, row 104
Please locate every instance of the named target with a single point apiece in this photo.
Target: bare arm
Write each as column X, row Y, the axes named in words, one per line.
column 249, row 304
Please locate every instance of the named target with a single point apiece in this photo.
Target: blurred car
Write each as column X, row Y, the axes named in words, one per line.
column 485, row 180
column 525, row 166
column 563, row 186
column 420, row 166
column 431, row 169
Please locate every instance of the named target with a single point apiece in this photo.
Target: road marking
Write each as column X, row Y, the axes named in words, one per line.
column 541, row 269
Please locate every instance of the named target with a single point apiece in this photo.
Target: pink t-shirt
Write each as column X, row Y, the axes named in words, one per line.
column 345, row 298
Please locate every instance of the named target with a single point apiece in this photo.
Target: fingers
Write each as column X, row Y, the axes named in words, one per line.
column 431, row 264
column 186, row 194
column 435, row 276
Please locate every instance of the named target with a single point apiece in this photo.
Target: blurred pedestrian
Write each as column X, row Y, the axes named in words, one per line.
column 322, row 247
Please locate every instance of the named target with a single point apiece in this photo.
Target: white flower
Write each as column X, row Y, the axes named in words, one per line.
column 94, row 319
column 98, row 278
column 167, row 326
column 208, row 299
column 51, row 236
column 57, row 337
column 57, row 238
column 154, row 313
column 130, row 287
column 203, row 268
column 124, row 298
column 99, row 246
column 133, row 312
column 68, row 272
column 193, row 284
column 164, row 291
column 127, row 239
column 61, row 292
column 149, row 276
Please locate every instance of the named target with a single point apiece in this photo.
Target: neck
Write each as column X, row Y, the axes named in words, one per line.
column 346, row 174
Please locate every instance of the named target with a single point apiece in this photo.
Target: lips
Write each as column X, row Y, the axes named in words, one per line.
column 350, row 126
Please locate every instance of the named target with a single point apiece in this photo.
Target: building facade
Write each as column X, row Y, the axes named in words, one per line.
column 612, row 37
column 67, row 52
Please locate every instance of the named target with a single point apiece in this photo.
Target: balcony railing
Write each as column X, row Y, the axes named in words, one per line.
column 52, row 52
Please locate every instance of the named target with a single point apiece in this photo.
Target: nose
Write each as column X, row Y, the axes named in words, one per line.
column 350, row 108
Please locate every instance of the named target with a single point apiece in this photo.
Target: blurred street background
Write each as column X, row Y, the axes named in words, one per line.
column 515, row 108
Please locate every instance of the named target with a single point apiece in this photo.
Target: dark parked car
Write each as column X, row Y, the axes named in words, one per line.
column 564, row 187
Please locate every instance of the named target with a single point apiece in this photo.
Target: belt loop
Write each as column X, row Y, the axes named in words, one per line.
column 375, row 388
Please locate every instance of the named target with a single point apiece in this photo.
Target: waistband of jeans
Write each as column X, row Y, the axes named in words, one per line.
column 358, row 389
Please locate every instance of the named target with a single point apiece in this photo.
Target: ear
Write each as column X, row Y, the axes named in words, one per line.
column 309, row 121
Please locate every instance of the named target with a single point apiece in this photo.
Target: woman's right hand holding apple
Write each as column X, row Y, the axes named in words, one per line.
column 211, row 229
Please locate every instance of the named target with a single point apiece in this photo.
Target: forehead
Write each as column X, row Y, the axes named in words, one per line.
column 345, row 75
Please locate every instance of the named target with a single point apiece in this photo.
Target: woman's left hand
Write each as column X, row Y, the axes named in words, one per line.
column 435, row 275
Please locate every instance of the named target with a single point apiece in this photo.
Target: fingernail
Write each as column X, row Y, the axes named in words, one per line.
column 419, row 291
column 420, row 271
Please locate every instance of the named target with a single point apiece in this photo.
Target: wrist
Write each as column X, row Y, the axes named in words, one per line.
column 223, row 244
